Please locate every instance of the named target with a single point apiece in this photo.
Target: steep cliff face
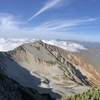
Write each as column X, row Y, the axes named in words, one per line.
column 48, row 69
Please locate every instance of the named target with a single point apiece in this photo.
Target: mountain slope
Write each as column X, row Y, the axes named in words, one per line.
column 11, row 90
column 92, row 55
column 48, row 69
column 77, row 63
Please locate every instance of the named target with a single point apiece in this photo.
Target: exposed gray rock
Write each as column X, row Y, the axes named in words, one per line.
column 44, row 68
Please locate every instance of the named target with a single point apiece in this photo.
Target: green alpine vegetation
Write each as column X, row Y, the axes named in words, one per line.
column 91, row 94
column 51, row 62
column 37, row 47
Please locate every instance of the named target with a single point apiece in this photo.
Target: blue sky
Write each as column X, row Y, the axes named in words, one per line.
column 50, row 19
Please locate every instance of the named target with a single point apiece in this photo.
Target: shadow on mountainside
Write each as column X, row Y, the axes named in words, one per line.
column 79, row 74
column 13, row 70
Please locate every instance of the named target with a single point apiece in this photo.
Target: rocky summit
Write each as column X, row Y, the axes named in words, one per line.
column 44, row 71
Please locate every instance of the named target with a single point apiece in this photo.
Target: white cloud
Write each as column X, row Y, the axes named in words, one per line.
column 47, row 6
column 58, row 25
column 11, row 43
column 92, row 19
column 11, row 27
column 70, row 46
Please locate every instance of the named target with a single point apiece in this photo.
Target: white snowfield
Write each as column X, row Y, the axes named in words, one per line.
column 12, row 43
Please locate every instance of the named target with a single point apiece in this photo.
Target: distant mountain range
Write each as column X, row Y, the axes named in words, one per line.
column 91, row 55
column 53, row 69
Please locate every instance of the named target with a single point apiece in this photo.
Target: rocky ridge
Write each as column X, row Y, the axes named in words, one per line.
column 48, row 69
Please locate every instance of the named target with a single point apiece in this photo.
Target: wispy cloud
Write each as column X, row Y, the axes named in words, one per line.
column 47, row 6
column 93, row 19
column 7, row 24
column 57, row 25
column 10, row 27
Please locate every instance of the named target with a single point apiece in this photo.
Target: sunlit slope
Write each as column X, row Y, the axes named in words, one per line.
column 49, row 69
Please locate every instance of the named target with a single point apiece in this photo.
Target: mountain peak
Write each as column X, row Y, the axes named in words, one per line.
column 49, row 69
